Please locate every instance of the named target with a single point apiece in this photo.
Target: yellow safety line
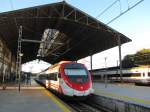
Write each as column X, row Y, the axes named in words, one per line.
column 57, row 101
column 124, row 97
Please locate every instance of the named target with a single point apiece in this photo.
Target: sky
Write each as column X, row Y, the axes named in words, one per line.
column 135, row 24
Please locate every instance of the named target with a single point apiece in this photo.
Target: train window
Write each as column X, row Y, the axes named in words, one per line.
column 127, row 75
column 52, row 76
column 136, row 75
column 77, row 75
column 55, row 76
column 143, row 74
column 73, row 65
column 42, row 77
column 75, row 72
column 149, row 74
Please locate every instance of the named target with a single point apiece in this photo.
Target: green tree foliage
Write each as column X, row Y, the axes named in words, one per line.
column 141, row 57
column 128, row 61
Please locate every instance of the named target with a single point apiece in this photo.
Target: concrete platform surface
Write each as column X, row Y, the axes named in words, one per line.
column 30, row 100
column 130, row 93
column 25, row 83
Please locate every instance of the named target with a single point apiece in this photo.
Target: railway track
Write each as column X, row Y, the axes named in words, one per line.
column 82, row 107
column 88, row 105
column 91, row 104
column 85, row 107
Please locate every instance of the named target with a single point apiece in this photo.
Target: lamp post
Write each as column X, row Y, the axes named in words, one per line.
column 120, row 61
column 20, row 67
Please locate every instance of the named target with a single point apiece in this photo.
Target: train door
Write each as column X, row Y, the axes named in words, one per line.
column 143, row 75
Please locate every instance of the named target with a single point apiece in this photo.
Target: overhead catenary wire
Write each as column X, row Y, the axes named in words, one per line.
column 113, row 19
column 107, row 8
column 121, row 13
column 12, row 8
column 117, row 0
column 129, row 8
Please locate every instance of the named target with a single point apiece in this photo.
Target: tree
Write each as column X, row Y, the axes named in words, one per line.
column 128, row 61
column 141, row 57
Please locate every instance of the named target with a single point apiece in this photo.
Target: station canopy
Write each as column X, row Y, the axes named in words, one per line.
column 66, row 32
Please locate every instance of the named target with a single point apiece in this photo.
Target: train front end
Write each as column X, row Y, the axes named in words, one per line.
column 75, row 80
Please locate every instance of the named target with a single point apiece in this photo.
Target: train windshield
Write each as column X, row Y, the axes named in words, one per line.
column 76, row 73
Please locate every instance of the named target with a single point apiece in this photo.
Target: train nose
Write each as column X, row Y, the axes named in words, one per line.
column 79, row 93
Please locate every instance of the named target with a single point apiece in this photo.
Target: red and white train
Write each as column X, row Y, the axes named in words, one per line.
column 68, row 78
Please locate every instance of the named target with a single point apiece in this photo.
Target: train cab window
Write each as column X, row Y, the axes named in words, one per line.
column 75, row 69
column 75, row 72
column 77, row 75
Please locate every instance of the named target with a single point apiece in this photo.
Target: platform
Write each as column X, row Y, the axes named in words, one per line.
column 32, row 98
column 125, row 92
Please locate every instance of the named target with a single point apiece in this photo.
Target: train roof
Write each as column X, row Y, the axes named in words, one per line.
column 80, row 34
column 117, row 67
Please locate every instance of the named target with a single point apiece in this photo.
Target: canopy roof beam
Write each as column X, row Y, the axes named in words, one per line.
column 78, row 32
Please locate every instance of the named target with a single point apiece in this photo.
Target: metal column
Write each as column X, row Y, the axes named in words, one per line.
column 2, row 69
column 19, row 54
column 106, row 72
column 119, row 46
column 91, row 62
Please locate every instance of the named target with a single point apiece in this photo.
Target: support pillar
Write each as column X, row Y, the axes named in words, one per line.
column 106, row 72
column 2, row 69
column 119, row 47
column 19, row 54
column 91, row 62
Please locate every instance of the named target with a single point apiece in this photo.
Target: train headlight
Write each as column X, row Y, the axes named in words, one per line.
column 47, row 83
